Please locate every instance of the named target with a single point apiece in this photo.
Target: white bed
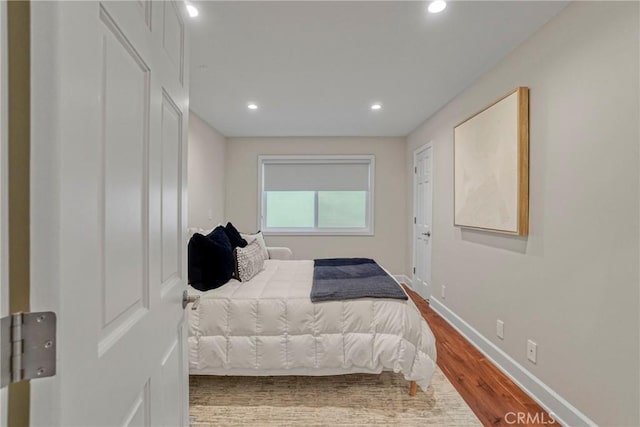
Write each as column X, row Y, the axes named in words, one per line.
column 269, row 326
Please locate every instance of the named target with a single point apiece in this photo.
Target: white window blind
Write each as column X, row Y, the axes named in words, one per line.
column 316, row 176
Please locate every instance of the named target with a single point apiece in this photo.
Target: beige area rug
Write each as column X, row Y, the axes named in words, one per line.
column 346, row 400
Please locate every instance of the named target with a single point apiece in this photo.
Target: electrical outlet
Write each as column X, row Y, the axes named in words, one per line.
column 532, row 351
column 442, row 293
column 210, row 214
column 500, row 329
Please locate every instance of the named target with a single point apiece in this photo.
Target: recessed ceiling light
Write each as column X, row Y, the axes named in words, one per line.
column 192, row 10
column 252, row 106
column 376, row 106
column 437, row 6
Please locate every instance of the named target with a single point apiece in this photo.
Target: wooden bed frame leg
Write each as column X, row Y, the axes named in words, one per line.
column 413, row 388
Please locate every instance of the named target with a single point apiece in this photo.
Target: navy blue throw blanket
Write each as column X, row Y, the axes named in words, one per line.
column 336, row 279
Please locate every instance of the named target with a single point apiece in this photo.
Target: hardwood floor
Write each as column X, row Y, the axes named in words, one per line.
column 492, row 396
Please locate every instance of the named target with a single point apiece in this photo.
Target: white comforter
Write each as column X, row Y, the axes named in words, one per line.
column 269, row 326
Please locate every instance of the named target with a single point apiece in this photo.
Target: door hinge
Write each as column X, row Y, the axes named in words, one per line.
column 415, row 169
column 414, row 270
column 414, row 220
column 28, row 347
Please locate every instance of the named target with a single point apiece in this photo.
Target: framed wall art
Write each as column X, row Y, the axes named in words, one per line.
column 491, row 167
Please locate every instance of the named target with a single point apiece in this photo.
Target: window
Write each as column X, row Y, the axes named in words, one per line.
column 316, row 194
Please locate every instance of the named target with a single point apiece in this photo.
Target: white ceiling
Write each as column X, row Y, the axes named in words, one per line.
column 314, row 68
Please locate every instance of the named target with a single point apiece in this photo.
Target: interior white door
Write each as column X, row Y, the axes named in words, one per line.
column 109, row 121
column 4, row 282
column 422, row 186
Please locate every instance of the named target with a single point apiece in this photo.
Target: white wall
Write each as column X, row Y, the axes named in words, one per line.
column 206, row 174
column 389, row 244
column 572, row 285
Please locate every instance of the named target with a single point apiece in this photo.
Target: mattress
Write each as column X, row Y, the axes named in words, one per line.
column 269, row 326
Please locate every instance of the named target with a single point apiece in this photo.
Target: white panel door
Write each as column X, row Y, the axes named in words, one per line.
column 4, row 283
column 422, row 186
column 110, row 105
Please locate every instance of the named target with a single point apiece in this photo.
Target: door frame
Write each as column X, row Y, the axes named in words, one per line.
column 428, row 145
column 4, row 278
column 18, row 182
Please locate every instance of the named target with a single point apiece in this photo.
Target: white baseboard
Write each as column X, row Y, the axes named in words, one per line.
column 403, row 278
column 418, row 288
column 561, row 410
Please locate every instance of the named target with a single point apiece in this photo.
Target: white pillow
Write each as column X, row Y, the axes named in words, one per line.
column 260, row 239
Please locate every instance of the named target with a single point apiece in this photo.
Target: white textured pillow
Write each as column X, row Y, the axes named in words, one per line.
column 249, row 261
column 260, row 239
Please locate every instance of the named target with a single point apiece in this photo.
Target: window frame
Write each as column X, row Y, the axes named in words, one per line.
column 368, row 230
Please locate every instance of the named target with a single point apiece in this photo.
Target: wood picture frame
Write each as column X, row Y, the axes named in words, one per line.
column 491, row 167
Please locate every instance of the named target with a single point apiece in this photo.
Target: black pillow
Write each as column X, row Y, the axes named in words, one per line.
column 234, row 236
column 210, row 260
